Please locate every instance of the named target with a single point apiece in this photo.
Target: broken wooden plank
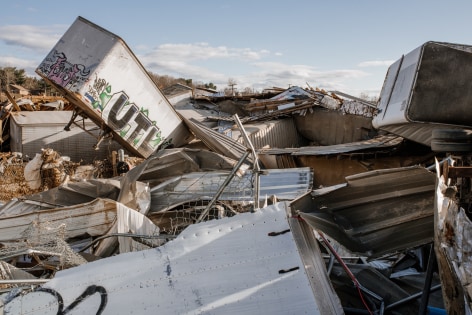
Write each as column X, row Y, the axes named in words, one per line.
column 459, row 171
column 12, row 100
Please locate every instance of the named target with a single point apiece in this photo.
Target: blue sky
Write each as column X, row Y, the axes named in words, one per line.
column 343, row 45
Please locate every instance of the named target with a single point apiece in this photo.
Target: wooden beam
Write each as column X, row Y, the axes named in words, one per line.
column 459, row 171
column 12, row 100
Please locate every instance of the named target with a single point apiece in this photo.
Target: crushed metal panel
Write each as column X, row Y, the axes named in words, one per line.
column 195, row 273
column 130, row 221
column 387, row 141
column 178, row 161
column 328, row 127
column 280, row 133
column 94, row 218
column 292, row 93
column 377, row 143
column 177, row 93
column 99, row 74
column 375, row 281
column 378, row 212
column 315, row 267
column 216, row 141
column 75, row 193
column 285, row 184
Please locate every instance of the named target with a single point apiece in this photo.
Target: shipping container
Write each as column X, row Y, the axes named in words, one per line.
column 426, row 89
column 98, row 73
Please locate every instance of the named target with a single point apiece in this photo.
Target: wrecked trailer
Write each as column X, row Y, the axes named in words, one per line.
column 425, row 90
column 196, row 272
column 99, row 74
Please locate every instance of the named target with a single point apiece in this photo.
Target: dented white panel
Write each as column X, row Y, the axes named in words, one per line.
column 227, row 266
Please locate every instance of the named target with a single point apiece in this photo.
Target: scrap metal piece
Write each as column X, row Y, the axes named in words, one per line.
column 209, row 268
column 377, row 212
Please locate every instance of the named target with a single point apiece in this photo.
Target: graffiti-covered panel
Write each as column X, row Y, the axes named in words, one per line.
column 102, row 77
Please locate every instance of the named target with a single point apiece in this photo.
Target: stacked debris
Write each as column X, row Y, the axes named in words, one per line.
column 287, row 201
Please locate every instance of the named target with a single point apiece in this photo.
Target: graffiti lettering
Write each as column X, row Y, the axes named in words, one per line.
column 130, row 123
column 63, row 72
column 89, row 291
column 100, row 87
column 122, row 116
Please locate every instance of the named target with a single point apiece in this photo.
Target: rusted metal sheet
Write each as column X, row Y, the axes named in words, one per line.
column 100, row 75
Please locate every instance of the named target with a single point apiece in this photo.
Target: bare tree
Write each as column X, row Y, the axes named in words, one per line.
column 231, row 89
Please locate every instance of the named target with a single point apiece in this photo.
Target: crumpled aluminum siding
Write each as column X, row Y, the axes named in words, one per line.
column 377, row 143
column 377, row 212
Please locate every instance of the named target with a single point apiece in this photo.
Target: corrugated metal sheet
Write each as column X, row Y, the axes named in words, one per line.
column 328, row 127
column 285, row 184
column 62, row 196
column 377, row 212
column 280, row 133
column 379, row 142
column 32, row 131
column 94, row 218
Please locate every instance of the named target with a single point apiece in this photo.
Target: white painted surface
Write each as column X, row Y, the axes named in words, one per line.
column 99, row 68
column 226, row 266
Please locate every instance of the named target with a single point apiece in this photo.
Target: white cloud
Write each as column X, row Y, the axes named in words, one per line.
column 202, row 51
column 40, row 39
column 282, row 75
column 201, row 62
column 376, row 63
column 184, row 60
column 28, row 65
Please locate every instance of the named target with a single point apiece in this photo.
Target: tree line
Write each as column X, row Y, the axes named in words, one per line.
column 13, row 75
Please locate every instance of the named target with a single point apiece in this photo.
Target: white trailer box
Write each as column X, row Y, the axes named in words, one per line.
column 428, row 88
column 98, row 73
column 32, row 131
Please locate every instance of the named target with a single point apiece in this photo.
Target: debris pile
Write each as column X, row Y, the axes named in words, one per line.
column 219, row 203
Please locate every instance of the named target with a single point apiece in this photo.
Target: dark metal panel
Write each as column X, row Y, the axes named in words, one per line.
column 377, row 212
column 441, row 93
